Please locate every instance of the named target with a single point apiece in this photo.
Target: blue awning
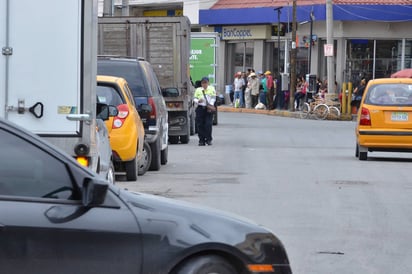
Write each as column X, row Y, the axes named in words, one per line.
column 377, row 13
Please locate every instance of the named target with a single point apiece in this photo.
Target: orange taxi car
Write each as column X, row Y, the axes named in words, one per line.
column 126, row 130
column 384, row 121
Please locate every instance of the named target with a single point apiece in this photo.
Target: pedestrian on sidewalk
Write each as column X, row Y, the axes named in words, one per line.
column 270, row 89
column 263, row 90
column 301, row 91
column 253, row 85
column 238, row 83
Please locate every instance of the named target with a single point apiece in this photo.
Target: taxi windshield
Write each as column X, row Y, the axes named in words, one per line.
column 390, row 95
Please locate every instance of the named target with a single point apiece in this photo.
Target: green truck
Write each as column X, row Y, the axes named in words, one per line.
column 204, row 59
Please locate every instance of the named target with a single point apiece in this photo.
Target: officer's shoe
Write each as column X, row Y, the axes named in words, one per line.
column 209, row 143
column 201, row 143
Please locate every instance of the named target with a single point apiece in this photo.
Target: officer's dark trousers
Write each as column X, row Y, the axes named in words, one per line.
column 204, row 121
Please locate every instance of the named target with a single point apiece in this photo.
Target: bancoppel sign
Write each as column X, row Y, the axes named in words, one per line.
column 245, row 32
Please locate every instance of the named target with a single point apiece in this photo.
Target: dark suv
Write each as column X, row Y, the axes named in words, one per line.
column 146, row 90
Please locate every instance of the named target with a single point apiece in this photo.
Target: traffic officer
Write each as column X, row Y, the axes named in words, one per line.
column 205, row 94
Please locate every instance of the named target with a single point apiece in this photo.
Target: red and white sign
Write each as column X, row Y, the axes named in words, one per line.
column 328, row 49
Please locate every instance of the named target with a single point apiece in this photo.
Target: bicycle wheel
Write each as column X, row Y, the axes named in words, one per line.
column 304, row 113
column 321, row 111
column 334, row 113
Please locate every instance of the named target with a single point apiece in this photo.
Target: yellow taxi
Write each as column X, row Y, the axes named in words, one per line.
column 126, row 130
column 384, row 121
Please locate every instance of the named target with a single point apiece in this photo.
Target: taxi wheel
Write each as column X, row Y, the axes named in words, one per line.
column 206, row 265
column 357, row 151
column 363, row 156
column 131, row 169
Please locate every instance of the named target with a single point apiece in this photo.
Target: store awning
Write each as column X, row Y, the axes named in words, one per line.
column 268, row 15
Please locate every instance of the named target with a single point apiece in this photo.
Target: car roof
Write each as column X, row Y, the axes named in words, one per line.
column 390, row 81
column 110, row 79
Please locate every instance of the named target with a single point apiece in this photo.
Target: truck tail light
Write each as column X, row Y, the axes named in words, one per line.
column 152, row 114
column 365, row 117
column 175, row 105
column 118, row 121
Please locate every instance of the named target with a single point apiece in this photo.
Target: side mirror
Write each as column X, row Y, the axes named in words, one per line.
column 102, row 111
column 93, row 192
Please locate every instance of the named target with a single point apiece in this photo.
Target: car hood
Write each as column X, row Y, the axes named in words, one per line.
column 171, row 226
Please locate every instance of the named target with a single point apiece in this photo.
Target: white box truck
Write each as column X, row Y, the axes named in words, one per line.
column 48, row 75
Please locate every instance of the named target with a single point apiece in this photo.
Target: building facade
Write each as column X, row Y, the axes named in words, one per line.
column 371, row 38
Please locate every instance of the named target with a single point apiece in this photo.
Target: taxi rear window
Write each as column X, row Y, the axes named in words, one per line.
column 389, row 95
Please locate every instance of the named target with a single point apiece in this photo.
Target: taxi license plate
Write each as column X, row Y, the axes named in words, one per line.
column 399, row 116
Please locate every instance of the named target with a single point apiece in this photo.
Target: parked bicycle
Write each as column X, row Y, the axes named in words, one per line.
column 320, row 110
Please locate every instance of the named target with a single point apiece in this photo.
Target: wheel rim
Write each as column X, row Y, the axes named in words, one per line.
column 334, row 112
column 321, row 111
column 305, row 110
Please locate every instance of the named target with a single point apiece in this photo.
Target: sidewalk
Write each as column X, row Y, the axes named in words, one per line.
column 275, row 112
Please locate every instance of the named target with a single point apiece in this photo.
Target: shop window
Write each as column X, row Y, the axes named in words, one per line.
column 362, row 63
column 243, row 56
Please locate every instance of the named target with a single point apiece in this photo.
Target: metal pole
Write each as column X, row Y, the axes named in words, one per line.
column 310, row 43
column 329, row 40
column 292, row 88
column 279, row 95
column 278, row 40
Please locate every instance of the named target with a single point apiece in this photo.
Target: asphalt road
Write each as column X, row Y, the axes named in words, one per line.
column 334, row 213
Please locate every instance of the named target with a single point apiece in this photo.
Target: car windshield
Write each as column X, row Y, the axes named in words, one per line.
column 127, row 70
column 390, row 95
column 108, row 95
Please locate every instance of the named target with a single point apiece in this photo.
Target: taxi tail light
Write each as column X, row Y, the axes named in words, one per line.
column 365, row 117
column 152, row 114
column 118, row 121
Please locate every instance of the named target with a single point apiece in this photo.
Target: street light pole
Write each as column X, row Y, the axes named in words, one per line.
column 292, row 88
column 312, row 17
column 279, row 82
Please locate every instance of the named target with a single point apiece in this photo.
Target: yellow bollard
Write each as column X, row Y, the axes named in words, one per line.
column 349, row 107
column 344, row 96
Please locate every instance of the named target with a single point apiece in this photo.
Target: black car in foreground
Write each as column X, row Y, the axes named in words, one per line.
column 58, row 217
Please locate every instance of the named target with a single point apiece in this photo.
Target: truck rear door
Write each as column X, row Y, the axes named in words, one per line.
column 41, row 64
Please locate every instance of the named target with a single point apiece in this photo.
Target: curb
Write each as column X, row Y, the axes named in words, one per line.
column 274, row 112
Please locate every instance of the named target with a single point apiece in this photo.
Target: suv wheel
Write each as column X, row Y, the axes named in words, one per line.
column 146, row 159
column 164, row 155
column 155, row 146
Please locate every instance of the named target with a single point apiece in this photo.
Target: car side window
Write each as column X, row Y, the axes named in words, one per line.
column 109, row 95
column 129, row 94
column 27, row 170
column 154, row 83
